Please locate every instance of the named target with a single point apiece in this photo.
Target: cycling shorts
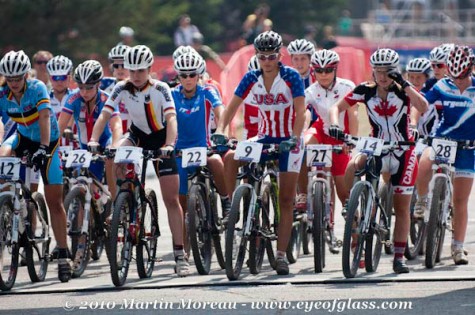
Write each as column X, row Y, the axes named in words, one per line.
column 51, row 173
column 339, row 160
column 153, row 141
column 288, row 161
column 403, row 167
column 465, row 163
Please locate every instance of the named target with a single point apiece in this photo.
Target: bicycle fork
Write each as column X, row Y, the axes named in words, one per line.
column 252, row 210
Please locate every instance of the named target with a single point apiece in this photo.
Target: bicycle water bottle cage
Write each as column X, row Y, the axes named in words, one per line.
column 130, row 171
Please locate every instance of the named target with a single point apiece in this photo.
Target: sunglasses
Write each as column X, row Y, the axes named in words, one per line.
column 270, row 57
column 118, row 65
column 59, row 77
column 41, row 62
column 438, row 65
column 87, row 87
column 14, row 79
column 324, row 70
column 191, row 75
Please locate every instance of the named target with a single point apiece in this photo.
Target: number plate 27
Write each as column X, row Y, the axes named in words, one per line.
column 319, row 155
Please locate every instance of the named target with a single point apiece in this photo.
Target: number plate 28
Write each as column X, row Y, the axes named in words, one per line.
column 443, row 149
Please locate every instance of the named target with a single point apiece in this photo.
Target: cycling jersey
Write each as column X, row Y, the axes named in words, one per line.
column 389, row 118
column 58, row 105
column 458, row 109
column 193, row 115
column 251, row 117
column 26, row 114
column 430, row 119
column 215, row 85
column 147, row 107
column 309, row 79
column 107, row 85
column 9, row 126
column 276, row 108
column 76, row 106
column 322, row 100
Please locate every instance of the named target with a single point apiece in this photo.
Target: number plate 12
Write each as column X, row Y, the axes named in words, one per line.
column 9, row 168
column 81, row 158
column 193, row 157
column 319, row 155
column 248, row 151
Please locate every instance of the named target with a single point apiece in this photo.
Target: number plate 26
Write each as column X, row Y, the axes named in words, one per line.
column 81, row 158
column 319, row 155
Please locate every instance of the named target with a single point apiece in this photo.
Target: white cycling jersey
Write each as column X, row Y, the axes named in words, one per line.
column 58, row 105
column 147, row 108
column 322, row 100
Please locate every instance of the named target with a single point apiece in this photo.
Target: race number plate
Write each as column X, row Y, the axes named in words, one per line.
column 193, row 157
column 444, row 150
column 79, row 158
column 319, row 155
column 248, row 151
column 128, row 155
column 369, row 145
column 9, row 168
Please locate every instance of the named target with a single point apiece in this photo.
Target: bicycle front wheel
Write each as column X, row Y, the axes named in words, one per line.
column 146, row 249
column 37, row 251
column 386, row 200
column 258, row 240
column 236, row 241
column 120, row 248
column 318, row 226
column 354, row 237
column 417, row 231
column 435, row 228
column 270, row 205
column 199, row 231
column 9, row 250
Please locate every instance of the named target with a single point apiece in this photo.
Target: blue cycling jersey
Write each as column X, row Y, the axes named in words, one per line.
column 458, row 109
column 193, row 115
column 76, row 106
column 107, row 84
column 26, row 114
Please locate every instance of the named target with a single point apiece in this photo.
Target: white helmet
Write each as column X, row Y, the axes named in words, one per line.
column 15, row 63
column 118, row 52
column 440, row 53
column 183, row 50
column 126, row 31
column 189, row 63
column 459, row 62
column 419, row 65
column 59, row 65
column 88, row 72
column 325, row 58
column 384, row 57
column 138, row 57
column 253, row 64
column 301, row 47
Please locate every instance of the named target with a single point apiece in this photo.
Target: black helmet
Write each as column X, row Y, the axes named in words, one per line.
column 268, row 41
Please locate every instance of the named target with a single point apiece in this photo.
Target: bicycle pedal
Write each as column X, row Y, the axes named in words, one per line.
column 339, row 243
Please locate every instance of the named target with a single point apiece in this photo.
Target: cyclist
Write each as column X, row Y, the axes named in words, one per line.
column 193, row 103
column 418, row 72
column 153, row 126
column 301, row 52
column 84, row 105
column 456, row 95
column 116, row 60
column 27, row 103
column 321, row 96
column 279, row 94
column 388, row 101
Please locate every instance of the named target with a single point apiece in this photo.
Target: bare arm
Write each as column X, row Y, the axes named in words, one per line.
column 415, row 116
column 2, row 131
column 171, row 129
column 299, row 107
column 45, row 127
column 228, row 114
column 99, row 125
column 335, row 111
column 116, row 128
column 218, row 112
column 63, row 121
column 417, row 100
column 353, row 121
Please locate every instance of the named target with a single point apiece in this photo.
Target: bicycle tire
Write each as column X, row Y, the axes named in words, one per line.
column 146, row 249
column 236, row 225
column 38, row 266
column 441, row 242
column 386, row 200
column 417, row 231
column 318, row 234
column 99, row 239
column 217, row 231
column 373, row 243
column 434, row 226
column 270, row 204
column 120, row 235
column 306, row 230
column 351, row 264
column 77, row 196
column 9, row 251
column 295, row 243
column 258, row 242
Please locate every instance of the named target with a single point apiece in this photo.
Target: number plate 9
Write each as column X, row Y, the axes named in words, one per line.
column 248, row 151
column 193, row 157
column 128, row 155
column 443, row 150
column 319, row 155
column 9, row 168
column 79, row 158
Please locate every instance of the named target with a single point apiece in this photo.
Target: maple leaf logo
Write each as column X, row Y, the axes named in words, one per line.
column 385, row 110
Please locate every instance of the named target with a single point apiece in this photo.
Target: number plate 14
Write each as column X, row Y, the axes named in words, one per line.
column 370, row 145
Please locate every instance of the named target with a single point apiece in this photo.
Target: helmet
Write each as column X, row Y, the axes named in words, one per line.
column 384, row 57
column 253, row 64
column 138, row 57
column 183, row 50
column 189, row 63
column 126, row 31
column 268, row 41
column 59, row 65
column 118, row 52
column 301, row 47
column 459, row 61
column 325, row 58
column 15, row 63
column 88, row 72
column 419, row 65
column 440, row 53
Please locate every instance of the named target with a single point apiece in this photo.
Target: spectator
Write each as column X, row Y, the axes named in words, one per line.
column 328, row 41
column 256, row 23
column 40, row 59
column 185, row 31
column 345, row 23
column 126, row 34
column 205, row 51
column 310, row 34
